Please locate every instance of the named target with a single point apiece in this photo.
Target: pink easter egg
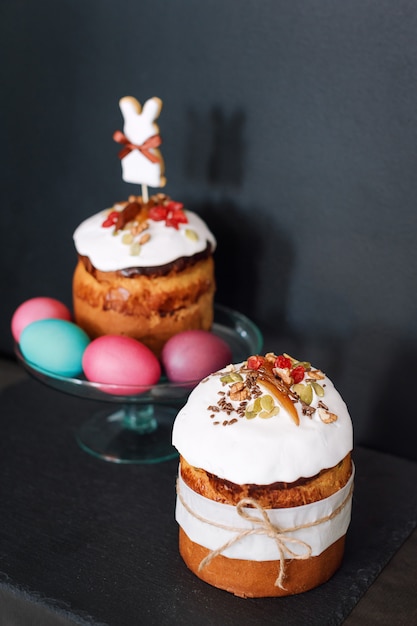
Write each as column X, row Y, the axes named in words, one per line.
column 125, row 366
column 193, row 355
column 35, row 309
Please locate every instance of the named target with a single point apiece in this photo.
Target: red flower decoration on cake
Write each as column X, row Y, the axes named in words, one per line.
column 172, row 213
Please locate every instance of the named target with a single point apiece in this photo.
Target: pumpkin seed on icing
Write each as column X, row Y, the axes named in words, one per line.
column 191, row 234
column 135, row 248
column 318, row 389
column 304, row 392
column 127, row 238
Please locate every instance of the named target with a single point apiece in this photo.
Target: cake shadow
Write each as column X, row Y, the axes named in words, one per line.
column 254, row 261
column 215, row 148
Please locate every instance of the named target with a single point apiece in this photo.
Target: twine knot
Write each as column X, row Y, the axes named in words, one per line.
column 264, row 526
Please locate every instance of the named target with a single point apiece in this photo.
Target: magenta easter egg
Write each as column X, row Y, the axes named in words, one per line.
column 37, row 309
column 194, row 354
column 125, row 366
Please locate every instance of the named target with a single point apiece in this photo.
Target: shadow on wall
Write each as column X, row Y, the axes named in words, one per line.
column 252, row 270
column 215, row 149
column 255, row 261
column 253, row 275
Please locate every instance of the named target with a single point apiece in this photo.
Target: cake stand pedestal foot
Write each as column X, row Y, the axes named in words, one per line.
column 132, row 434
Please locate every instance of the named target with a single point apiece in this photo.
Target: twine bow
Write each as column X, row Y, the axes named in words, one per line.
column 145, row 148
column 264, row 526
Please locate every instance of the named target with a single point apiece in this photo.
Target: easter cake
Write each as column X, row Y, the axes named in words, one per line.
column 265, row 479
column 145, row 266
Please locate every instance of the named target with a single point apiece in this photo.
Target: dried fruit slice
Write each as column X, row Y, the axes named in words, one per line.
column 130, row 211
column 283, row 399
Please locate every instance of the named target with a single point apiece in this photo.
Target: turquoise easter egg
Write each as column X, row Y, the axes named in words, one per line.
column 54, row 345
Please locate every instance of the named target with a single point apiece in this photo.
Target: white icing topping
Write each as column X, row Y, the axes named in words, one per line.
column 107, row 252
column 261, row 451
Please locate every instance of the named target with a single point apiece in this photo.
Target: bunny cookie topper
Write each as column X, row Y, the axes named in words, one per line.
column 142, row 162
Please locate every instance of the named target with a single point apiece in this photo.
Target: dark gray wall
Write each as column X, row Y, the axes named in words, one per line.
column 290, row 126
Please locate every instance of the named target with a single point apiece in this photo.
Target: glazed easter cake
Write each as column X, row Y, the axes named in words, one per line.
column 145, row 266
column 265, row 478
column 146, row 270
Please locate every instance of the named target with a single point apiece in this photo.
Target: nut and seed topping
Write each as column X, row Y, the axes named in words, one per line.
column 318, row 389
column 127, row 238
column 327, row 416
column 135, row 248
column 288, row 382
column 316, row 374
column 144, row 239
column 231, row 377
column 191, row 234
column 304, row 392
column 239, row 392
column 138, row 228
column 283, row 374
column 308, row 410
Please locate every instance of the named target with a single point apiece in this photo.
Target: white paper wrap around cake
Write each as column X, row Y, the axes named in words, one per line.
column 203, row 521
column 166, row 244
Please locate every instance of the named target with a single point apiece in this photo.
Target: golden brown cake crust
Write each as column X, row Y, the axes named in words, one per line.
column 276, row 495
column 257, row 578
column 299, row 525
column 148, row 308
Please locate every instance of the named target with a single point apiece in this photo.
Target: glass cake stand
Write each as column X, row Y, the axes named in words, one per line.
column 137, row 428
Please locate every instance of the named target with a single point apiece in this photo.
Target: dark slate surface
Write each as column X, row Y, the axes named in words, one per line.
column 96, row 543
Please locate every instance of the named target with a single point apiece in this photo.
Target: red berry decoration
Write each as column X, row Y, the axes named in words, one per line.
column 175, row 206
column 255, row 362
column 111, row 219
column 282, row 362
column 298, row 373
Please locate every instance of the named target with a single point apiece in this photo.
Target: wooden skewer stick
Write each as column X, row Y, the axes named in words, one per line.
column 145, row 196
